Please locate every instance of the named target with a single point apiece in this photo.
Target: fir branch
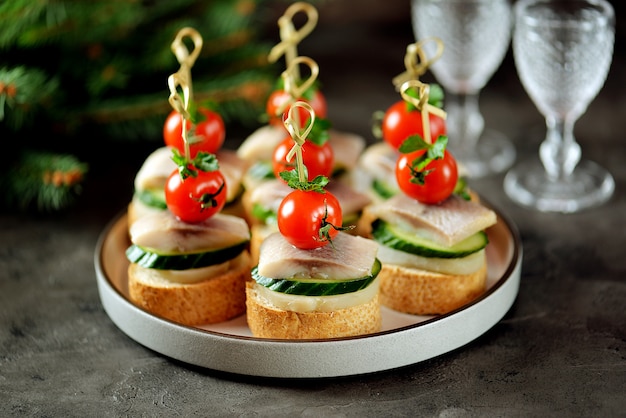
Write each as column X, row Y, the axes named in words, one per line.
column 23, row 91
column 239, row 97
column 46, row 181
column 109, row 74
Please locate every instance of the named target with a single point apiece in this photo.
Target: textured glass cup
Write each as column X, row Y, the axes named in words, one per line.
column 476, row 35
column 563, row 50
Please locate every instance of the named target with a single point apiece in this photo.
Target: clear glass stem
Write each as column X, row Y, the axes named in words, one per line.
column 559, row 152
column 465, row 123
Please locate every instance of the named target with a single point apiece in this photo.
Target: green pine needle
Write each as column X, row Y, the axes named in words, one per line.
column 45, row 181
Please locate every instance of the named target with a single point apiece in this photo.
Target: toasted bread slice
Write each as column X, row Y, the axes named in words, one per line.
column 421, row 292
column 206, row 302
column 268, row 321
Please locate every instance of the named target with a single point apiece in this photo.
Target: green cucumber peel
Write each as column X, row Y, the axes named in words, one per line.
column 319, row 286
column 392, row 237
column 153, row 198
column 151, row 259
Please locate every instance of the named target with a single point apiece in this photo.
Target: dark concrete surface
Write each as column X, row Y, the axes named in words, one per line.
column 560, row 350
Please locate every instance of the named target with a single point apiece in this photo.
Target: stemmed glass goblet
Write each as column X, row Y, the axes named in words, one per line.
column 563, row 50
column 476, row 35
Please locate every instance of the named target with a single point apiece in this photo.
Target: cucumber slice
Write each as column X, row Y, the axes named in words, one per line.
column 393, row 237
column 154, row 198
column 262, row 170
column 267, row 216
column 317, row 287
column 382, row 189
column 149, row 259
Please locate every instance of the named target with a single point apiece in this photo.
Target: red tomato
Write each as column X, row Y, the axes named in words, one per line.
column 207, row 135
column 301, row 214
column 439, row 183
column 399, row 123
column 196, row 198
column 318, row 159
column 279, row 97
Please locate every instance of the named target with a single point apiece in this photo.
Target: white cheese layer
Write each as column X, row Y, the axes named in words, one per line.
column 463, row 265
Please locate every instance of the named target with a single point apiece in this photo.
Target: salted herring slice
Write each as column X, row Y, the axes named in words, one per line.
column 163, row 232
column 349, row 257
column 155, row 169
column 446, row 223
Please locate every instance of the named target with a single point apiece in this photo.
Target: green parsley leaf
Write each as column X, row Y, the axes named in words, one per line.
column 437, row 149
column 293, row 181
column 320, row 131
column 205, row 161
column 435, row 96
column 434, row 151
column 265, row 215
column 413, row 143
column 461, row 189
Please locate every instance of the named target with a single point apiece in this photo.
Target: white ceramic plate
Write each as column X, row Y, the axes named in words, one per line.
column 229, row 346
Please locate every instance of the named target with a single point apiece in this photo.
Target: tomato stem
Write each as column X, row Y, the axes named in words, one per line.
column 434, row 151
column 208, row 200
column 324, row 231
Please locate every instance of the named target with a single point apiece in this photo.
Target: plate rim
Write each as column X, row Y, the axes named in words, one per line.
column 136, row 319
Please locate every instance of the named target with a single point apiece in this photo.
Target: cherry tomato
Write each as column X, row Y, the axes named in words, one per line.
column 207, row 135
column 318, row 159
column 195, row 199
column 439, row 183
column 301, row 214
column 399, row 123
column 279, row 97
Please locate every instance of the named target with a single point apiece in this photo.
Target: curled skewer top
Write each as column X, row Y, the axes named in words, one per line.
column 289, row 35
column 293, row 85
column 299, row 134
column 179, row 83
column 421, row 103
column 416, row 61
column 187, row 58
